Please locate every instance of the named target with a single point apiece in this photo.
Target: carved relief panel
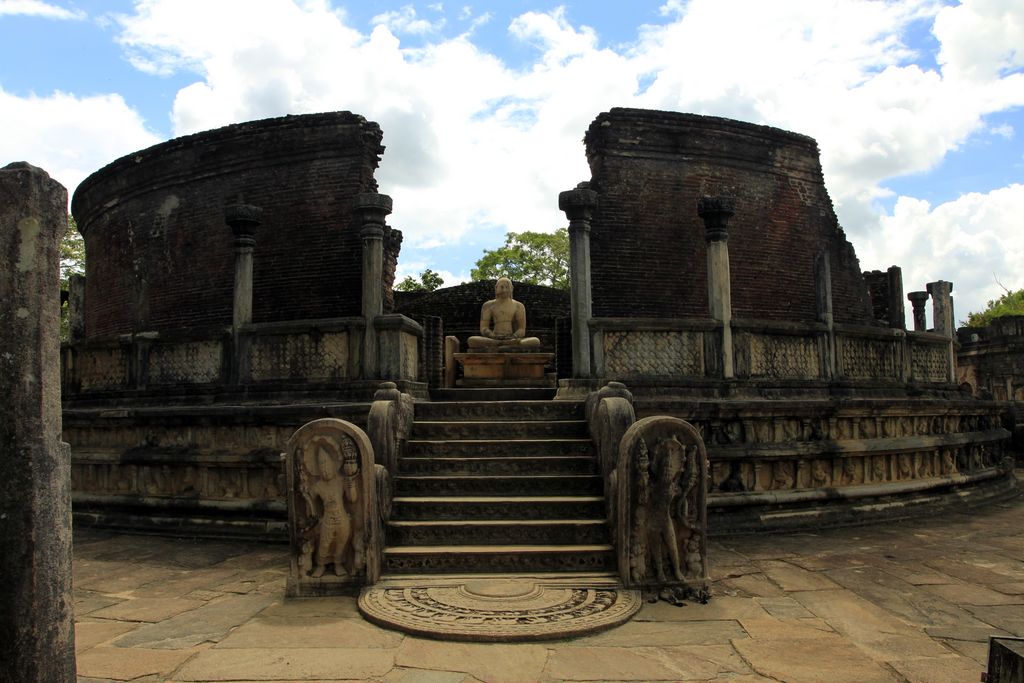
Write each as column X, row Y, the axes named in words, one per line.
column 334, row 524
column 661, row 507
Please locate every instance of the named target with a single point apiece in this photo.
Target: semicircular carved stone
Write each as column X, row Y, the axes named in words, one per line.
column 333, row 515
column 661, row 508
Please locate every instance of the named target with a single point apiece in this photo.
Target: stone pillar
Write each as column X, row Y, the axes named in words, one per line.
column 76, row 307
column 897, row 312
column 579, row 205
column 942, row 307
column 917, row 301
column 716, row 212
column 371, row 209
column 823, row 291
column 36, row 606
column 942, row 318
column 243, row 220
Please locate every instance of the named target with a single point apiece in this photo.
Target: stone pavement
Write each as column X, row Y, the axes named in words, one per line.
column 913, row 601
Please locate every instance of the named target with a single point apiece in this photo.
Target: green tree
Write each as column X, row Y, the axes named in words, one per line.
column 72, row 262
column 1010, row 303
column 428, row 282
column 540, row 258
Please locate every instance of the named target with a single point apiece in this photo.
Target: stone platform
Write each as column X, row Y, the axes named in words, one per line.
column 911, row 601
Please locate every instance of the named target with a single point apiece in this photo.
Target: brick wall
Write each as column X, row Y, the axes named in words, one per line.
column 648, row 251
column 160, row 256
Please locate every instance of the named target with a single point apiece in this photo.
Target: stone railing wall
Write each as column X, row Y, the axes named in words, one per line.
column 638, row 349
column 286, row 353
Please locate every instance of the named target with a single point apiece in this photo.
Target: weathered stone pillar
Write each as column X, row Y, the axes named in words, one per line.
column 917, row 301
column 36, row 607
column 895, row 305
column 76, row 307
column 243, row 220
column 371, row 209
column 942, row 307
column 823, row 292
column 716, row 212
column 578, row 205
column 942, row 318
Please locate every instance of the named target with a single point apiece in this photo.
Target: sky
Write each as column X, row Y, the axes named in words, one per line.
column 917, row 105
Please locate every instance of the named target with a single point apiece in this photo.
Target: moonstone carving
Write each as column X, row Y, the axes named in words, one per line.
column 661, row 509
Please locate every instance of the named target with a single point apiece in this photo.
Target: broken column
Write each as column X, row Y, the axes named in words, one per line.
column 371, row 209
column 917, row 301
column 578, row 205
column 76, row 307
column 942, row 318
column 243, row 220
column 36, row 608
column 716, row 212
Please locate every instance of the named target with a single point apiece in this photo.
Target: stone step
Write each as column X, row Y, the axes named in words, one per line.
column 498, row 532
column 499, row 410
column 503, row 429
column 493, row 394
column 554, row 464
column 497, row 507
column 496, row 448
column 506, row 558
column 476, row 485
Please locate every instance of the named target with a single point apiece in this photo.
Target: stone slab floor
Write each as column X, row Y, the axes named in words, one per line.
column 911, row 601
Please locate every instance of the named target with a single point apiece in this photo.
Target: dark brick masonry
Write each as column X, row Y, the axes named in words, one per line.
column 160, row 256
column 647, row 243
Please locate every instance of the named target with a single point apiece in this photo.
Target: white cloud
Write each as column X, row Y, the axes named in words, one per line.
column 404, row 20
column 70, row 137
column 1004, row 131
column 968, row 240
column 37, row 8
column 475, row 146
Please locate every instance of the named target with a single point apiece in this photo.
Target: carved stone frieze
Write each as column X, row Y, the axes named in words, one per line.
column 197, row 362
column 305, row 356
column 653, row 353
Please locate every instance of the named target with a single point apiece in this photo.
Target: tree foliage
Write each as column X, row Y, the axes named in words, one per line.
column 72, row 262
column 428, row 282
column 539, row 258
column 1010, row 303
column 72, row 253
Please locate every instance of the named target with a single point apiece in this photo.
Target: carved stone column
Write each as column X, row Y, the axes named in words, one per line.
column 716, row 212
column 37, row 641
column 578, row 205
column 917, row 301
column 371, row 209
column 942, row 318
column 243, row 219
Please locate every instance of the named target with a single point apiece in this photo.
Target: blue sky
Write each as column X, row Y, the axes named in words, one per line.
column 917, row 105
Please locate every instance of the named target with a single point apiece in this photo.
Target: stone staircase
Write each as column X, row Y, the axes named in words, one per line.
column 498, row 480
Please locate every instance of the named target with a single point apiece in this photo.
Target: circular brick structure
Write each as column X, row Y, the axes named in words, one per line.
column 160, row 256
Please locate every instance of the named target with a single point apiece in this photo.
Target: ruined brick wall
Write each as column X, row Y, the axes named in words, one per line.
column 991, row 359
column 160, row 256
column 648, row 252
column 459, row 308
column 877, row 282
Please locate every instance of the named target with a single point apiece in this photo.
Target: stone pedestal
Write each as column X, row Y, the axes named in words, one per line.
column 504, row 369
column 36, row 607
column 917, row 302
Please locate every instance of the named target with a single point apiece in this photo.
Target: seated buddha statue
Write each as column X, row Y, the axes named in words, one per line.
column 502, row 322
